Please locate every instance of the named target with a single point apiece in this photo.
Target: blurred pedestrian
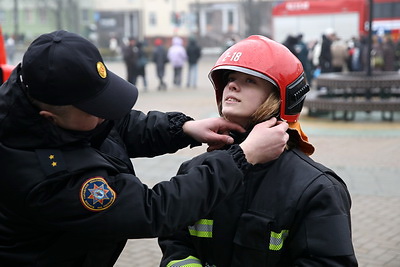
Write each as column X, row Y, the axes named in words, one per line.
column 177, row 57
column 377, row 61
column 141, row 64
column 228, row 43
column 355, row 51
column 397, row 55
column 365, row 53
column 10, row 49
column 130, row 56
column 340, row 55
column 193, row 52
column 389, row 53
column 302, row 54
column 290, row 43
column 160, row 59
column 113, row 46
column 325, row 56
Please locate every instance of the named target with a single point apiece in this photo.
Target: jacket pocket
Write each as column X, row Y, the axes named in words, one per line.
column 257, row 241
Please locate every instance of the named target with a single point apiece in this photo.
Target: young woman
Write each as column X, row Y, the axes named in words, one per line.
column 289, row 212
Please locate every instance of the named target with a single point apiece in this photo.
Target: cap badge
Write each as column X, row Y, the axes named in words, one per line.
column 96, row 194
column 101, row 69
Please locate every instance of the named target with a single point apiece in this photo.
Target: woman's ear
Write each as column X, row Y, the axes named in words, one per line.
column 48, row 115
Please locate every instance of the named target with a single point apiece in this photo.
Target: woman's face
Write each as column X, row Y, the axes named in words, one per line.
column 242, row 96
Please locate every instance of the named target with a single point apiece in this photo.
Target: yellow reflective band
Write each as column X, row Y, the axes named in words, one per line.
column 276, row 239
column 202, row 228
column 188, row 262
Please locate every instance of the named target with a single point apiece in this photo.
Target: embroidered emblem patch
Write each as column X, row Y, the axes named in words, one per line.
column 96, row 194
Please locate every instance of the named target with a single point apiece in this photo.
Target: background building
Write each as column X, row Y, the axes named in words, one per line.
column 212, row 22
column 26, row 19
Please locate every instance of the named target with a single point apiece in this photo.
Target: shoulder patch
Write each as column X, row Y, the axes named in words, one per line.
column 96, row 194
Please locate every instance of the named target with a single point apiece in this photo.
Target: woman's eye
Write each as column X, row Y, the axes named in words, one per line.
column 250, row 81
column 231, row 79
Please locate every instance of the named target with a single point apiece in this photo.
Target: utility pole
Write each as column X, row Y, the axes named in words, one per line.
column 198, row 19
column 371, row 9
column 58, row 13
column 252, row 17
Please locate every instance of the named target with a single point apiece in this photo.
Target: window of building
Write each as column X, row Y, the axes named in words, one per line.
column 209, row 17
column 230, row 17
column 153, row 19
column 387, row 10
column 28, row 16
column 42, row 15
column 177, row 18
column 85, row 15
column 2, row 17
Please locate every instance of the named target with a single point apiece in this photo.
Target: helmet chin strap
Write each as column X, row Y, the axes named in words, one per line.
column 277, row 115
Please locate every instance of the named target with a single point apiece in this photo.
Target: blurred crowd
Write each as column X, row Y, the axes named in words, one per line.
column 136, row 55
column 333, row 54
column 330, row 53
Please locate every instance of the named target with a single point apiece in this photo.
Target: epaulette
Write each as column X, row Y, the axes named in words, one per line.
column 51, row 161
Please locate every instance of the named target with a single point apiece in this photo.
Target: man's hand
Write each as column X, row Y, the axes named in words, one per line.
column 213, row 131
column 265, row 142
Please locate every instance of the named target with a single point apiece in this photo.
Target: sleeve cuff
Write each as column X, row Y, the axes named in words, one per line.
column 176, row 121
column 238, row 156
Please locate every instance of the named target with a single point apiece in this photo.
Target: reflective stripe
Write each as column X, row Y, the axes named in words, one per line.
column 202, row 228
column 188, row 262
column 276, row 239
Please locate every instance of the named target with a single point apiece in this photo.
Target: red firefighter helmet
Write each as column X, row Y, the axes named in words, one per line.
column 264, row 58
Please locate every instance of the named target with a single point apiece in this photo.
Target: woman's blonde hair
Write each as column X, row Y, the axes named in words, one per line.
column 266, row 110
column 270, row 108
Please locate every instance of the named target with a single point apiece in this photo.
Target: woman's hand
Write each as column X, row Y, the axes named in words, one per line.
column 266, row 141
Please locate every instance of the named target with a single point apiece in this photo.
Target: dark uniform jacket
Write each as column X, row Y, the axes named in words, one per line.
column 290, row 212
column 72, row 199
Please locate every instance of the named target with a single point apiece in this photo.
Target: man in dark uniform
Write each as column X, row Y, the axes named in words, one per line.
column 68, row 191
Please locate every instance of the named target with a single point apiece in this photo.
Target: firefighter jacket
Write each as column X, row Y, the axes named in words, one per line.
column 290, row 212
column 72, row 198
